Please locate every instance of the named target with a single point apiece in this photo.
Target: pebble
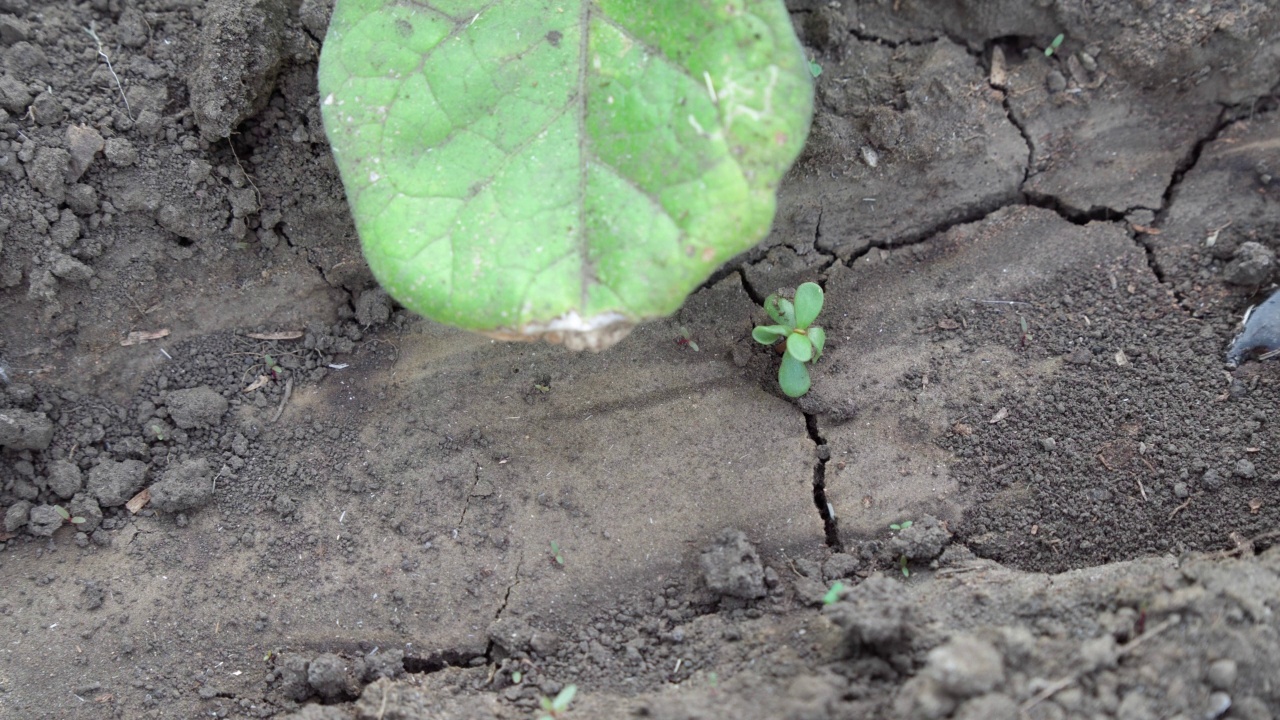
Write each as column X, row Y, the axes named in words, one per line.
column 1180, row 490
column 1245, row 469
column 1048, row 444
column 1056, row 81
column 1219, row 704
column 1222, row 674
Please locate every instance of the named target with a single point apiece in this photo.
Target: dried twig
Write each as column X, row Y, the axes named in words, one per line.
column 288, row 390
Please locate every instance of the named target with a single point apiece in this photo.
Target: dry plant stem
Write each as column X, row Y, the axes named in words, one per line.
column 288, row 390
column 93, row 33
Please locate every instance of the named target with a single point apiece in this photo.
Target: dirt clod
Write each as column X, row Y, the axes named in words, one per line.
column 197, row 407
column 731, row 566
column 25, row 430
column 186, row 486
column 114, row 482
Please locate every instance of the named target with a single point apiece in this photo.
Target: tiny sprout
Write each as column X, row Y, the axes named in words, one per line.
column 902, row 525
column 793, row 325
column 1053, row 46
column 686, row 339
column 833, row 594
column 555, row 553
column 815, row 69
column 516, row 677
column 553, row 708
column 902, row 564
column 66, row 515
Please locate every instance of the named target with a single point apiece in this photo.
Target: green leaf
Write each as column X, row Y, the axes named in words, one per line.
column 799, row 347
column 833, row 594
column 564, row 697
column 769, row 334
column 793, row 376
column 808, row 304
column 781, row 310
column 62, row 512
column 818, row 337
column 560, row 170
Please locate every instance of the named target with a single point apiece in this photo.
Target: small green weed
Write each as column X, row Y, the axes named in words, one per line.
column 794, row 325
column 555, row 553
column 833, row 594
column 1053, row 46
column 902, row 565
column 902, row 525
column 66, row 515
column 553, row 709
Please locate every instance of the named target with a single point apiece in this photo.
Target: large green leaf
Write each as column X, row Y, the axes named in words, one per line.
column 561, row 169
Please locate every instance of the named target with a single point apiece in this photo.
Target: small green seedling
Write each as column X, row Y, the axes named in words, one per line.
column 686, row 339
column 902, row 565
column 66, row 515
column 815, row 69
column 555, row 553
column 901, row 526
column 794, row 326
column 516, row 677
column 553, row 709
column 1053, row 46
column 833, row 594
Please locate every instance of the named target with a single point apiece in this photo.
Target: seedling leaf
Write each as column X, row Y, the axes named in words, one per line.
column 62, row 512
column 808, row 304
column 818, row 337
column 769, row 334
column 793, row 376
column 528, row 173
column 781, row 310
column 833, row 594
column 564, row 698
column 799, row 347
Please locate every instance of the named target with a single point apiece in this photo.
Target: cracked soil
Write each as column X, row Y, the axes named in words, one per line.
column 1033, row 263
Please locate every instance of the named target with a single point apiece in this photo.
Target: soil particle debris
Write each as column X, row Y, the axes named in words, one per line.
column 1251, row 265
column 731, row 566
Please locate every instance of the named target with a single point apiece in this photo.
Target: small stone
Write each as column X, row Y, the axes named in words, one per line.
column 373, row 307
column 965, row 666
column 64, row 478
column 25, row 430
column 1219, row 704
column 1180, row 490
column 114, row 483
column 840, row 566
column 1222, row 674
column 1048, row 444
column 44, row 520
column 1055, row 81
column 1245, row 469
column 1211, row 480
column 16, row 516
column 196, row 407
column 731, row 566
column 84, row 143
column 186, row 486
column 47, row 109
column 70, row 269
column 1251, row 265
column 120, row 152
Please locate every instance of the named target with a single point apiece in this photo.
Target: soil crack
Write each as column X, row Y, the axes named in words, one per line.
column 830, row 522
